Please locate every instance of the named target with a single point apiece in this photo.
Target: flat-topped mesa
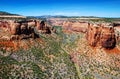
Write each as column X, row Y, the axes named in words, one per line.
column 101, row 35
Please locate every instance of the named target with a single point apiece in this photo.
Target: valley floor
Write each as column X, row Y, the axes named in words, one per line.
column 60, row 56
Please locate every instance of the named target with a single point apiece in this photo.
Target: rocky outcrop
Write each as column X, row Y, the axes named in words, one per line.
column 4, row 25
column 43, row 28
column 101, row 35
column 25, row 29
column 108, row 38
column 93, row 34
column 56, row 21
column 22, row 34
column 116, row 25
column 75, row 26
column 17, row 32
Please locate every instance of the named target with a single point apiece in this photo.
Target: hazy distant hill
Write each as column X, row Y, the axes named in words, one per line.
column 6, row 13
column 62, row 16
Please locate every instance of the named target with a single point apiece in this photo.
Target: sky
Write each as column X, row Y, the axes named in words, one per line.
column 100, row 8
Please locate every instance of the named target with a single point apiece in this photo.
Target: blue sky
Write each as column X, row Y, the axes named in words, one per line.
column 101, row 8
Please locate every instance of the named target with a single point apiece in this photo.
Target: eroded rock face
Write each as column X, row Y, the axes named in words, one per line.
column 93, row 34
column 117, row 30
column 15, row 34
column 107, row 38
column 4, row 25
column 43, row 28
column 25, row 29
column 57, row 21
column 75, row 26
column 17, row 31
column 42, row 25
column 101, row 35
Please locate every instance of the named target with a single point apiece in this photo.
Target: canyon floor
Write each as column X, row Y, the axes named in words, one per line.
column 60, row 56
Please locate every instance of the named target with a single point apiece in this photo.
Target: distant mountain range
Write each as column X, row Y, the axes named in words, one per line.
column 3, row 13
column 62, row 16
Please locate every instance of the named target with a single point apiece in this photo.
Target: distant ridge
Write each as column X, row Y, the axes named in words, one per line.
column 4, row 14
column 62, row 16
column 7, row 13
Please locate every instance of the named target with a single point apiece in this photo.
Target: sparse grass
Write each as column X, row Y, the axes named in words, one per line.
column 52, row 60
column 47, row 61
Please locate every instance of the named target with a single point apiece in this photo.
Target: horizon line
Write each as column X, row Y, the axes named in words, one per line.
column 71, row 16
